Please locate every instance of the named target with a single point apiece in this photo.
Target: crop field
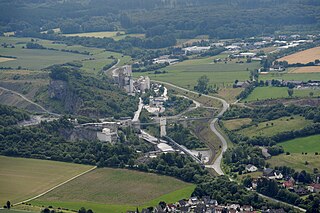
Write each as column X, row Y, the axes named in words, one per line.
column 263, row 93
column 21, row 178
column 186, row 74
column 116, row 35
column 279, row 125
column 4, row 59
column 287, row 76
column 235, row 124
column 311, row 69
column 310, row 144
column 296, row 161
column 116, row 190
column 306, row 56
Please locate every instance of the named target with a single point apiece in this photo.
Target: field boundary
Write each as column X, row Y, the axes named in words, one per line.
column 51, row 189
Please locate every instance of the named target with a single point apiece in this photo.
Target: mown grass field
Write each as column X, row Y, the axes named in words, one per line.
column 116, row 190
column 279, row 125
column 39, row 59
column 14, row 211
column 288, row 76
column 263, row 93
column 296, row 161
column 186, row 73
column 21, row 178
column 235, row 124
column 116, row 35
column 310, row 144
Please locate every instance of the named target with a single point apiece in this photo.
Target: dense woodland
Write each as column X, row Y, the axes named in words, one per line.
column 162, row 21
column 184, row 136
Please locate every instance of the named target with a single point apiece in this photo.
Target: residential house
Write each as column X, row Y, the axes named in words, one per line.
column 289, row 184
column 251, row 168
column 315, row 187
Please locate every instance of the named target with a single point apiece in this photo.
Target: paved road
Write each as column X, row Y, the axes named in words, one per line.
column 217, row 163
column 137, row 113
column 30, row 101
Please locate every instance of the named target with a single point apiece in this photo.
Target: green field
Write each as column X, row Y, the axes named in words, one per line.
column 116, row 190
column 308, row 144
column 296, row 161
column 235, row 124
column 279, row 125
column 39, row 59
column 21, row 178
column 290, row 76
column 186, row 73
column 263, row 93
column 13, row 211
column 116, row 35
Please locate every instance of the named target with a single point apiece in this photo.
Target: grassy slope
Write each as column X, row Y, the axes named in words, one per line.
column 116, row 190
column 24, row 178
column 279, row 125
column 308, row 144
column 261, row 93
column 235, row 124
column 38, row 59
column 296, row 161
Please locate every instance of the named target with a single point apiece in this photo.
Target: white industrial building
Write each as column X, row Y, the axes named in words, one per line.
column 107, row 135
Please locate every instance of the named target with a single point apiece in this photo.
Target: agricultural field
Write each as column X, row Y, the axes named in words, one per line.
column 4, row 59
column 263, row 93
column 296, row 161
column 186, row 73
column 116, row 190
column 310, row 144
column 38, row 59
column 311, row 69
column 14, row 211
column 288, row 76
column 235, row 124
column 303, row 57
column 21, row 178
column 270, row 128
column 116, row 35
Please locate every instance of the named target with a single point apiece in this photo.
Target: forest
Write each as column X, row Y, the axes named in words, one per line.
column 163, row 19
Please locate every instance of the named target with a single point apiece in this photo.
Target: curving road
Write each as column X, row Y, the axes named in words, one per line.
column 224, row 146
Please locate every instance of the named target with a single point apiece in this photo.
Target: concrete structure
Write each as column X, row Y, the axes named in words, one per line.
column 123, row 77
column 107, row 135
column 142, row 84
column 163, row 123
column 195, row 49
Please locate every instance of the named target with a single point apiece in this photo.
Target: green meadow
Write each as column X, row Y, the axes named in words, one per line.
column 186, row 73
column 270, row 128
column 310, row 144
column 22, row 178
column 263, row 93
column 37, row 59
column 116, row 190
